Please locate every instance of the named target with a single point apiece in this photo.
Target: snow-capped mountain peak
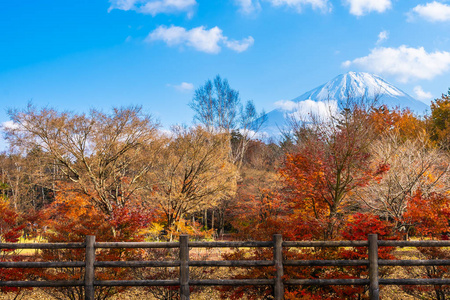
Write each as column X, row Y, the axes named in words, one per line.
column 353, row 85
column 356, row 85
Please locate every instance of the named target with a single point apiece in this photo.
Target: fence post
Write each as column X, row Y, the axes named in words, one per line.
column 184, row 267
column 278, row 260
column 374, row 290
column 89, row 272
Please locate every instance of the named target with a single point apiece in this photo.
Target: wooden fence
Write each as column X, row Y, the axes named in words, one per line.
column 184, row 263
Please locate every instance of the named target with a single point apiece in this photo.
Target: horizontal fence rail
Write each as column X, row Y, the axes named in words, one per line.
column 184, row 263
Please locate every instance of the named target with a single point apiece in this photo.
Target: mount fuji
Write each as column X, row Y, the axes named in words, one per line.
column 356, row 85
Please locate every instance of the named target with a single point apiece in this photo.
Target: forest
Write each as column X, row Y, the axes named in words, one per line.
column 365, row 168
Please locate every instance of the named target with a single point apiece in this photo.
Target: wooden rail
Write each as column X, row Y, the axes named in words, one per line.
column 184, row 263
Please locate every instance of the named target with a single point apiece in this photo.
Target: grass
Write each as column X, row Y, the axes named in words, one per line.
column 130, row 294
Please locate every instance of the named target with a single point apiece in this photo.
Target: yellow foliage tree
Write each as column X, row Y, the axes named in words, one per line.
column 194, row 174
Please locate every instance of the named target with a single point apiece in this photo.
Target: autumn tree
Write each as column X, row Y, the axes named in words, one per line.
column 218, row 108
column 216, row 105
column 70, row 218
column 30, row 179
column 194, row 174
column 428, row 217
column 10, row 232
column 401, row 122
column 250, row 123
column 107, row 156
column 257, row 205
column 414, row 165
column 439, row 120
column 353, row 227
column 330, row 160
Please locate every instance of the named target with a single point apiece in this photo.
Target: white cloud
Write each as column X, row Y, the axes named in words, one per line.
column 248, row 6
column 363, row 7
column 404, row 62
column 183, row 87
column 167, row 132
column 323, row 5
column 320, row 109
column 171, row 36
column 421, row 94
column 154, row 7
column 252, row 6
column 239, row 46
column 3, row 127
column 122, row 4
column 254, row 134
column 304, row 109
column 286, row 105
column 382, row 36
column 9, row 125
column 199, row 38
column 204, row 40
column 346, row 64
column 433, row 11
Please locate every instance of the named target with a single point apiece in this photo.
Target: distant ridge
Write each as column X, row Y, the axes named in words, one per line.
column 337, row 91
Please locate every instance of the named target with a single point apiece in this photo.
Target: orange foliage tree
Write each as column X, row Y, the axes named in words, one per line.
column 107, row 157
column 257, row 215
column 69, row 219
column 10, row 232
column 331, row 160
column 429, row 216
column 354, row 227
column 402, row 122
column 439, row 120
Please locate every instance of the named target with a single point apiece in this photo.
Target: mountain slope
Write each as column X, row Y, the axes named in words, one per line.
column 354, row 85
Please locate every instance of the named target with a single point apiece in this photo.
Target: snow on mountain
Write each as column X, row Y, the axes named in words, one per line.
column 354, row 85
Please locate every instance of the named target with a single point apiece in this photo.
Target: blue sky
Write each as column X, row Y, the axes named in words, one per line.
column 75, row 55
